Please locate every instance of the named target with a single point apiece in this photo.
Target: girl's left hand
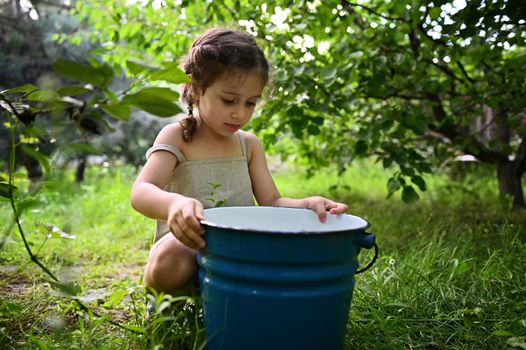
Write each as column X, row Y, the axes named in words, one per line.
column 321, row 205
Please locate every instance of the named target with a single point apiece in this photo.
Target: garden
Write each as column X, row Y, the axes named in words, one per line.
column 410, row 112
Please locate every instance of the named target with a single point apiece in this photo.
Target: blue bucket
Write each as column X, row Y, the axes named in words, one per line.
column 277, row 278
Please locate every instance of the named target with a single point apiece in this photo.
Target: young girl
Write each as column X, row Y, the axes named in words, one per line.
column 207, row 152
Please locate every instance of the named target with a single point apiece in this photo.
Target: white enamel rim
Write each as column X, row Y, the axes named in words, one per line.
column 320, row 228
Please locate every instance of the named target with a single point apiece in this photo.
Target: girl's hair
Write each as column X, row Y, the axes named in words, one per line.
column 217, row 52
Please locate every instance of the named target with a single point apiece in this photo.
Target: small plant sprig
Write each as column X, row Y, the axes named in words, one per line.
column 215, row 203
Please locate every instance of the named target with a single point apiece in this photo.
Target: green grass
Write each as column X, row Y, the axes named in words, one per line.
column 450, row 275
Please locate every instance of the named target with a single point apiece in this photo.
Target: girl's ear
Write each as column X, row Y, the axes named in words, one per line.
column 194, row 92
column 189, row 93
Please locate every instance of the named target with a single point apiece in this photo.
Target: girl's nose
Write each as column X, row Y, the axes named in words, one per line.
column 237, row 114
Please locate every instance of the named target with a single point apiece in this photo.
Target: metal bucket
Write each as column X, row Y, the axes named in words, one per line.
column 278, row 278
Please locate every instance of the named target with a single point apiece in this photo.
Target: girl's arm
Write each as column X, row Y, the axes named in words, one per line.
column 181, row 213
column 265, row 189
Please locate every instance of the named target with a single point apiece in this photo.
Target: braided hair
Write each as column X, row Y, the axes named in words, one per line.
column 217, row 52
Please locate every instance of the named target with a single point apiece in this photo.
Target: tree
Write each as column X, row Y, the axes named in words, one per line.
column 27, row 52
column 412, row 83
column 27, row 48
column 31, row 40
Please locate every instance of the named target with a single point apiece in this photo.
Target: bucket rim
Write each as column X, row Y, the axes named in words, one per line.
column 207, row 223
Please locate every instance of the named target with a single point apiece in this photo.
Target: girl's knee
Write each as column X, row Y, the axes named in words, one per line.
column 170, row 268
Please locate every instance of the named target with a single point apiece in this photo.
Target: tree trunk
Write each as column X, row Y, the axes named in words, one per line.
column 81, row 167
column 34, row 170
column 510, row 184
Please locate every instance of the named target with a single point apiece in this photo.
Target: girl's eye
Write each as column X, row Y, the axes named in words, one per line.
column 228, row 102
column 251, row 104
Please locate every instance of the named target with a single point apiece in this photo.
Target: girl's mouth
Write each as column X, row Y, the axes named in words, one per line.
column 233, row 127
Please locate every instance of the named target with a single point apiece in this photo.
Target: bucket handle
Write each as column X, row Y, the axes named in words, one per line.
column 371, row 263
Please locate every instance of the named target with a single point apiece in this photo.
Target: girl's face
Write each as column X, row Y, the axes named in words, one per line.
column 227, row 105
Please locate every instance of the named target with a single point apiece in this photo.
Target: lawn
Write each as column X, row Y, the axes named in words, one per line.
column 451, row 272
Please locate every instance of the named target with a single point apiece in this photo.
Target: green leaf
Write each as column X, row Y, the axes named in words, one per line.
column 161, row 92
column 393, row 185
column 361, row 148
column 115, row 298
column 398, row 7
column 4, row 190
column 17, row 175
column 463, row 267
column 136, row 329
column 415, row 14
column 419, row 181
column 39, row 343
column 35, row 130
column 434, row 13
column 68, row 288
column 118, row 111
column 43, row 96
column 502, row 333
column 318, row 120
column 214, row 185
column 37, row 155
column 82, row 72
column 137, row 67
column 155, row 100
column 313, row 130
column 298, row 70
column 220, row 203
column 7, row 309
column 59, row 105
column 329, row 73
column 111, row 96
column 409, row 194
column 82, row 148
column 298, row 127
column 27, row 88
column 73, row 90
column 172, row 74
column 25, row 204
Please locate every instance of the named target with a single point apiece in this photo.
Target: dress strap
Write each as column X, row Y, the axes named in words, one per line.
column 165, row 147
column 243, row 141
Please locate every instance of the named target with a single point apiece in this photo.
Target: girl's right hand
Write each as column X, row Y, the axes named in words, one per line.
column 184, row 216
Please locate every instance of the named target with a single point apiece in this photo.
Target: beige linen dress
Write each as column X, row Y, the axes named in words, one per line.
column 197, row 179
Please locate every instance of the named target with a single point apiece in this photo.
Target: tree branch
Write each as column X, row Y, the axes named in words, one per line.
column 464, row 72
column 444, row 44
column 414, row 43
column 520, row 158
column 357, row 19
column 399, row 95
column 485, row 154
column 446, row 70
